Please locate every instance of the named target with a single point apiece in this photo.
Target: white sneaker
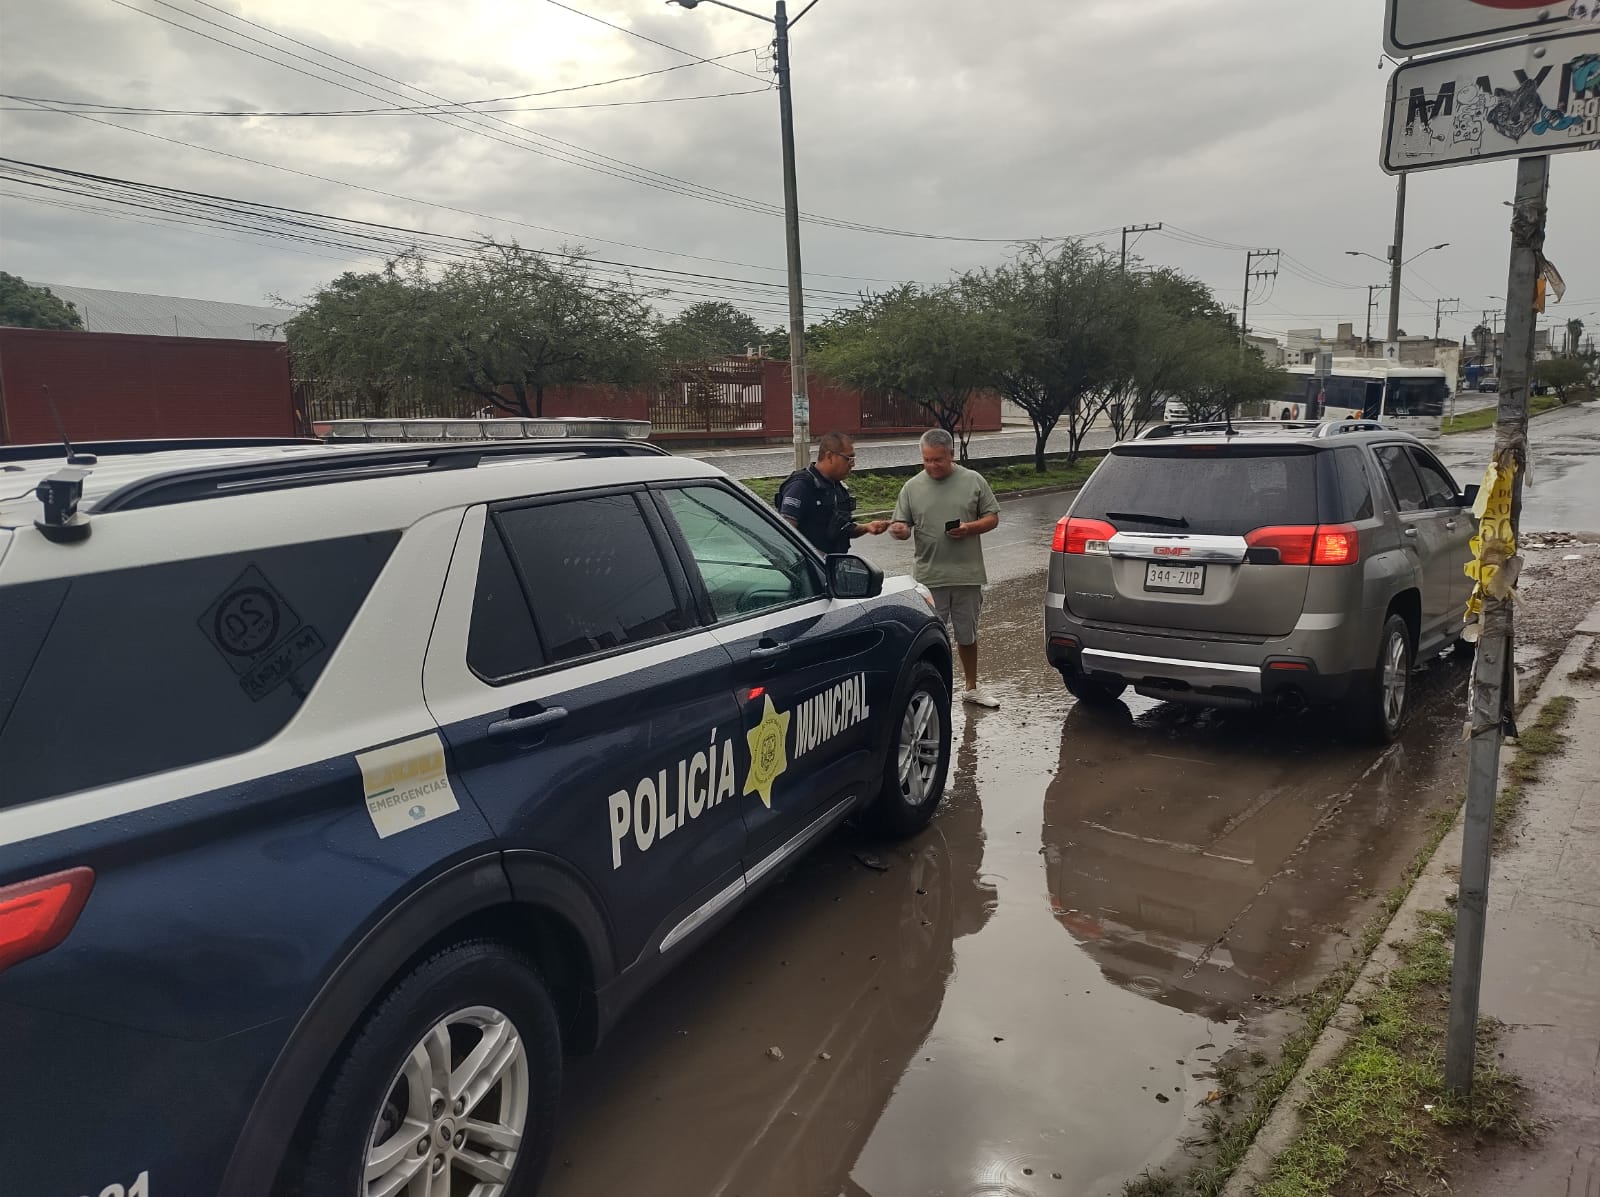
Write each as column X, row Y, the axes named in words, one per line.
column 981, row 698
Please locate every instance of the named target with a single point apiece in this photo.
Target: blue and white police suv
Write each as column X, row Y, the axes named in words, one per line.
column 344, row 790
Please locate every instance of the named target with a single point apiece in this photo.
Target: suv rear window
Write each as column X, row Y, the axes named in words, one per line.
column 117, row 675
column 1213, row 492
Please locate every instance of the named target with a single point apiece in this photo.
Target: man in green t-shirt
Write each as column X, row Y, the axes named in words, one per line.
column 947, row 508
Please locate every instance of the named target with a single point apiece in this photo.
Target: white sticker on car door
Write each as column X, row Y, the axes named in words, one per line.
column 406, row 784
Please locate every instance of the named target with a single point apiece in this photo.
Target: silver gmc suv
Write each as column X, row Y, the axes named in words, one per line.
column 1266, row 564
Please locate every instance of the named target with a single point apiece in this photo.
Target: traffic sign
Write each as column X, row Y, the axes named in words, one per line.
column 1424, row 26
column 1536, row 96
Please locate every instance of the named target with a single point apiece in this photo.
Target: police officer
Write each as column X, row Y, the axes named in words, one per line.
column 815, row 501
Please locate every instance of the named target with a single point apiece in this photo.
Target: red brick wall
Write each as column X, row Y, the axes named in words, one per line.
column 113, row 386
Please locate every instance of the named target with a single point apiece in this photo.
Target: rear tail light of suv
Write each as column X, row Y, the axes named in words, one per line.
column 1312, row 544
column 1082, row 536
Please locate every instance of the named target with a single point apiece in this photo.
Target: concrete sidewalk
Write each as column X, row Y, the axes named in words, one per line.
column 1541, row 973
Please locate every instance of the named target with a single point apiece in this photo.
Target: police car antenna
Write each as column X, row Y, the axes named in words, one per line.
column 73, row 456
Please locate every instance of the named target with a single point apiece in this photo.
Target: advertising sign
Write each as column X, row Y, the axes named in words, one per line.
column 1424, row 26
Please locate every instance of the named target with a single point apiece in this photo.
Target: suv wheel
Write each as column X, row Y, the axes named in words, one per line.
column 1383, row 706
column 448, row 1086
column 919, row 757
column 1092, row 691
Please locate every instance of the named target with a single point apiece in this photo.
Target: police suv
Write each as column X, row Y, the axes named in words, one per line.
column 344, row 790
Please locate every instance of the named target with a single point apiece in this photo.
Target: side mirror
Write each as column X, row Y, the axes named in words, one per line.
column 850, row 577
column 1469, row 496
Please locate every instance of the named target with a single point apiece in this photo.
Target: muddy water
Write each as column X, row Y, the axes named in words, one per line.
column 1084, row 930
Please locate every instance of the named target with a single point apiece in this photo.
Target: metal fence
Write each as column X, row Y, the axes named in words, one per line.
column 322, row 401
column 892, row 411
column 721, row 397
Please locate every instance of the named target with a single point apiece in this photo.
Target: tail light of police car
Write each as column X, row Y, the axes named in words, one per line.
column 1079, row 536
column 37, row 915
column 1309, row 544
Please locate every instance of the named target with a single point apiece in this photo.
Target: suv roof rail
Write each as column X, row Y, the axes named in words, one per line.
column 1340, row 427
column 54, row 449
column 340, row 464
column 1210, row 427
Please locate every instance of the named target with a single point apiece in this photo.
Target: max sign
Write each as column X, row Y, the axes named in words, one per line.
column 1539, row 96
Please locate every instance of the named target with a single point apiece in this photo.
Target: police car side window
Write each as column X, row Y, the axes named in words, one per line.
column 746, row 563
column 596, row 580
column 501, row 642
column 142, row 670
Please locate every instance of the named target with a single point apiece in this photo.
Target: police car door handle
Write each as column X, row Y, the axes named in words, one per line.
column 766, row 650
column 522, row 724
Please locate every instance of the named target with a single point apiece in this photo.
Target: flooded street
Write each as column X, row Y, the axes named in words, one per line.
column 1032, row 996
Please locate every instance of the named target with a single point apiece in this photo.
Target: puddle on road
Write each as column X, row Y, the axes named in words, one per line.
column 1031, row 999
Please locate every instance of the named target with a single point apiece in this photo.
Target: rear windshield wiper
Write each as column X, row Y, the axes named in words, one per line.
column 1164, row 521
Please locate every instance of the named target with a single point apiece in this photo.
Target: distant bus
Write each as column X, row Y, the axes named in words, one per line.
column 1407, row 398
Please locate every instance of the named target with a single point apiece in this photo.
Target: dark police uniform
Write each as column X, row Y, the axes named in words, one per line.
column 823, row 510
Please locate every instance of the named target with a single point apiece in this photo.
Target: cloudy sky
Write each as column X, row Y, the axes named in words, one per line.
column 1235, row 122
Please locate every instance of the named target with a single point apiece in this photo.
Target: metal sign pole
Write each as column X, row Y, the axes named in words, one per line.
column 1491, row 695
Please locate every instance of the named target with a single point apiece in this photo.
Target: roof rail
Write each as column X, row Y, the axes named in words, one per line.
column 341, row 464
column 1210, row 427
column 1340, row 427
column 54, row 449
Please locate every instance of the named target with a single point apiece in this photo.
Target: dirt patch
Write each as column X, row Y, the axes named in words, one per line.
column 1558, row 586
column 1538, row 742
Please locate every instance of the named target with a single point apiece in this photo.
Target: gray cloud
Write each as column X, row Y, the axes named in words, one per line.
column 1250, row 121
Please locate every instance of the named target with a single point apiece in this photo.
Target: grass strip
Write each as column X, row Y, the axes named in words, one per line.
column 1484, row 417
column 1535, row 745
column 1380, row 1116
column 877, row 490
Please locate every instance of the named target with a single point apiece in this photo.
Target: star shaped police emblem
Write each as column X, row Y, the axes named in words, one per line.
column 768, row 758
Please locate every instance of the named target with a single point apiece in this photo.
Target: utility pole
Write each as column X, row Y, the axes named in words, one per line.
column 1490, row 708
column 1250, row 272
column 800, row 398
column 1135, row 228
column 1366, row 342
column 1439, row 314
column 1396, row 261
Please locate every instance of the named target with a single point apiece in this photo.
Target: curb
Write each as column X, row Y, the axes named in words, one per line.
column 1431, row 891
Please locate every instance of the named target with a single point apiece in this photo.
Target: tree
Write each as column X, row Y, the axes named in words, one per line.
column 931, row 345
column 23, row 305
column 708, row 330
column 1562, row 375
column 504, row 324
column 1063, row 315
column 1574, row 336
column 1225, row 378
column 1481, row 337
column 1174, row 322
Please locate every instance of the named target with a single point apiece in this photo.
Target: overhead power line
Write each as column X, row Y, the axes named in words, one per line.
column 589, row 16
column 30, row 103
column 539, row 143
column 367, row 237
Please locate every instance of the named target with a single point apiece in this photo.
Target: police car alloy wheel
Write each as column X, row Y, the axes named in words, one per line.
column 918, row 758
column 448, row 1088
column 456, row 1111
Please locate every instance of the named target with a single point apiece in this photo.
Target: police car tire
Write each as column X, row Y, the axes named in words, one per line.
column 474, row 973
column 890, row 815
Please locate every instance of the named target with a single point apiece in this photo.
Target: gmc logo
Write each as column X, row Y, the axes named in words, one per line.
column 1166, row 550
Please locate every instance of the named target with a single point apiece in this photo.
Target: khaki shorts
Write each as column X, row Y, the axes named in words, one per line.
column 958, row 606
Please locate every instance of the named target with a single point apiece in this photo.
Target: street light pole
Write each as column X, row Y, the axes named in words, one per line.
column 1395, row 262
column 800, row 398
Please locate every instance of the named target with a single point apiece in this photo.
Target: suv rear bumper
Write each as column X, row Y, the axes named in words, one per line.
column 1287, row 671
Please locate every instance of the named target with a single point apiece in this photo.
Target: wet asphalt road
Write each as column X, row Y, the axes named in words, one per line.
column 1030, row 998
